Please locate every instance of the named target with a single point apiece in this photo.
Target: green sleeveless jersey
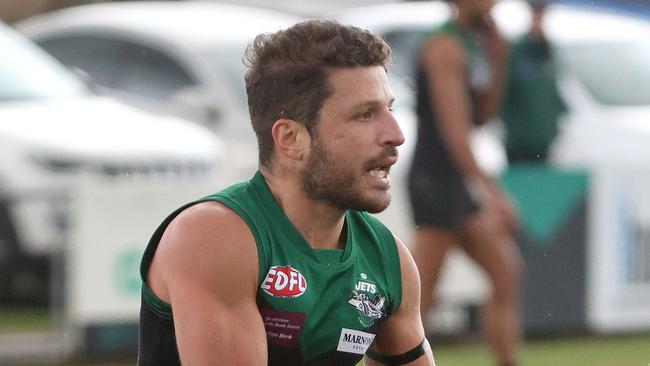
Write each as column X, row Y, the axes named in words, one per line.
column 319, row 307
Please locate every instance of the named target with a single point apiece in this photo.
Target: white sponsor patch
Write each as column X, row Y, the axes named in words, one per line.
column 354, row 341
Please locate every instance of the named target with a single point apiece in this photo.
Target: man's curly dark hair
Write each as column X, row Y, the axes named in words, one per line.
column 288, row 72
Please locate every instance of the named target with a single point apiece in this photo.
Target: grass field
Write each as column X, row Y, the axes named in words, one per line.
column 24, row 320
column 584, row 351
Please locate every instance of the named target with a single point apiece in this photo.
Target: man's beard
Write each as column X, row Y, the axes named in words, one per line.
column 325, row 179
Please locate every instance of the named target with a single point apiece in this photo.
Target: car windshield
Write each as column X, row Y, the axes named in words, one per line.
column 26, row 72
column 614, row 73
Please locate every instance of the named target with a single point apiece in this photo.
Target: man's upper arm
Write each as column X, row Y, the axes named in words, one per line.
column 403, row 331
column 445, row 64
column 206, row 267
column 446, row 68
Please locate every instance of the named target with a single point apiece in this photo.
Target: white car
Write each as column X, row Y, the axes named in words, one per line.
column 181, row 58
column 54, row 133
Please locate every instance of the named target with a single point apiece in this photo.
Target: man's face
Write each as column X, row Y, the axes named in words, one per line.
column 480, row 10
column 355, row 142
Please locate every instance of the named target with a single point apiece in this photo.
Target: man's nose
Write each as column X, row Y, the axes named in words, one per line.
column 392, row 132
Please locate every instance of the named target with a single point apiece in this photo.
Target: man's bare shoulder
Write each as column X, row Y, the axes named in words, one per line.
column 442, row 48
column 199, row 243
column 207, row 227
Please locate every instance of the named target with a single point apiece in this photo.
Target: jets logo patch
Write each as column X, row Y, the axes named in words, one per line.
column 368, row 301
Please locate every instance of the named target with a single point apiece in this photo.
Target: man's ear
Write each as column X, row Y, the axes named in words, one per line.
column 291, row 139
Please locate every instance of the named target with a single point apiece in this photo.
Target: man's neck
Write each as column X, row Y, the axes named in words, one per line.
column 320, row 224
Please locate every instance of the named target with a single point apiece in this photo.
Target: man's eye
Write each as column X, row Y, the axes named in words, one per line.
column 364, row 115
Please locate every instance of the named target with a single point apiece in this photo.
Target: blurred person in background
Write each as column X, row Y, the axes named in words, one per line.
column 532, row 105
column 462, row 66
column 289, row 268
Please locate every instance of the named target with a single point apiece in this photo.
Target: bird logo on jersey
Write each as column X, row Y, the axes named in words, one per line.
column 369, row 308
column 368, row 301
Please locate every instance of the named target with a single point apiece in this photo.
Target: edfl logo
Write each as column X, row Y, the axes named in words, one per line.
column 284, row 281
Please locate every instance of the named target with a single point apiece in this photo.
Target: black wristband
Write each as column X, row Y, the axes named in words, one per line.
column 397, row 360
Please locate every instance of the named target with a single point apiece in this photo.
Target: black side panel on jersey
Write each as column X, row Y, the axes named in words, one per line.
column 157, row 340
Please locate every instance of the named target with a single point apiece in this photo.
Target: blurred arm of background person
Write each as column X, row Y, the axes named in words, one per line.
column 446, row 63
column 404, row 331
column 489, row 100
column 533, row 105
